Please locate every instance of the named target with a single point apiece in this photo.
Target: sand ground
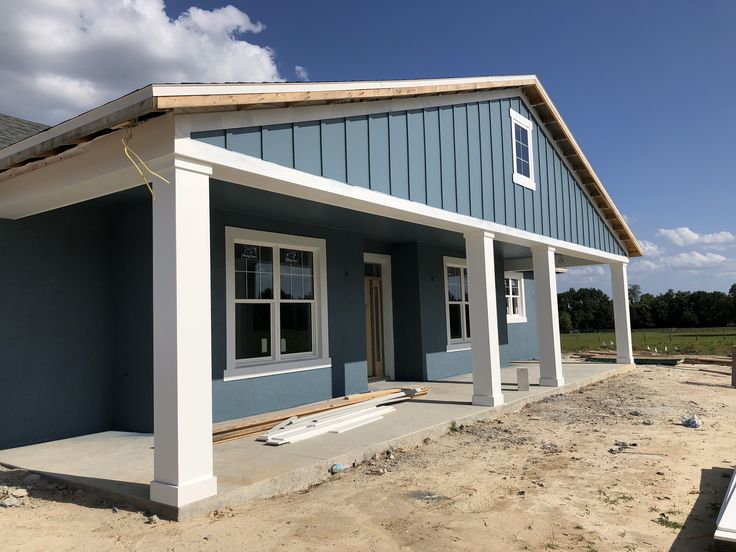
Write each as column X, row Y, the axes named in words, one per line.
column 543, row 478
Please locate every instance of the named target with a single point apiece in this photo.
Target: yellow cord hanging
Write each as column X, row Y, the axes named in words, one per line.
column 131, row 154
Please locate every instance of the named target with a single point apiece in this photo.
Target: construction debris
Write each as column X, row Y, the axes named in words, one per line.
column 338, row 420
column 333, row 416
column 691, row 421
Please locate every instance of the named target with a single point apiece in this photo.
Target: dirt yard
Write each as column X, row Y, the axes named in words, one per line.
column 607, row 468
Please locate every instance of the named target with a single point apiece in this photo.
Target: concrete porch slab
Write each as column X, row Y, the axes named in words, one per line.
column 119, row 466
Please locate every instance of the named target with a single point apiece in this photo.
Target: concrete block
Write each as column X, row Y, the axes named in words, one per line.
column 522, row 378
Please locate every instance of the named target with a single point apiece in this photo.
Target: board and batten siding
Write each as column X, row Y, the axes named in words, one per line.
column 455, row 157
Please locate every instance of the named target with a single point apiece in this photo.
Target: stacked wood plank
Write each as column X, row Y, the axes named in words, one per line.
column 261, row 424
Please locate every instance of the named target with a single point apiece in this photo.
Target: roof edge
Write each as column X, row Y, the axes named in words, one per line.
column 157, row 99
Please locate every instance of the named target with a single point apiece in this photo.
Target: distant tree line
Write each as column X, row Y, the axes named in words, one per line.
column 589, row 309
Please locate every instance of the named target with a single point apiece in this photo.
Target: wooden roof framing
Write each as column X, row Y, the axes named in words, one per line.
column 154, row 100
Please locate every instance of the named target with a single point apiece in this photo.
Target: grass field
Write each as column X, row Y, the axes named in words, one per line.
column 704, row 341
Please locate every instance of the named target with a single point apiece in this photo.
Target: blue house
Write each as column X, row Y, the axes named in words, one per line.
column 297, row 240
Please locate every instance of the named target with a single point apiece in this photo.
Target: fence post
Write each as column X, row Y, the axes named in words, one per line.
column 733, row 367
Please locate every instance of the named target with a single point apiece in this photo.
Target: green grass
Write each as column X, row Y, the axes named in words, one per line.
column 704, row 341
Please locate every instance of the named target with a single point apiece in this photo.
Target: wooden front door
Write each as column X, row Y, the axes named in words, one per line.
column 374, row 326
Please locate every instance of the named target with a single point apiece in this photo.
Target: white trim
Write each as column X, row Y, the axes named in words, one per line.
column 457, row 347
column 245, row 170
column 456, row 344
column 521, row 317
column 518, row 119
column 201, row 122
column 275, row 368
column 388, row 310
column 318, row 357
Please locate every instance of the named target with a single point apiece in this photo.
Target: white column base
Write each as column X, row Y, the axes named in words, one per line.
column 181, row 495
column 551, row 382
column 486, row 400
column 625, row 360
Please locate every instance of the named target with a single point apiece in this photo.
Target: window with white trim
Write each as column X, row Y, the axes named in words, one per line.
column 456, row 299
column 276, row 303
column 521, row 139
column 514, row 289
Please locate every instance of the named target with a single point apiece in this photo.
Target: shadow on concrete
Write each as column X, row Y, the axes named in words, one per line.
column 430, row 401
column 700, row 525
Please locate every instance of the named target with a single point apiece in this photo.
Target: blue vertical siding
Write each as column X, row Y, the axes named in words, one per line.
column 307, row 149
column 378, row 152
column 398, row 154
column 356, row 138
column 333, row 144
column 416, row 156
column 462, row 159
column 455, row 157
column 486, row 159
column 447, row 159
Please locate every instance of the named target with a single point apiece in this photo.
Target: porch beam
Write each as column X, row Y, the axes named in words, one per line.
column 622, row 320
column 183, row 471
column 550, row 350
column 486, row 358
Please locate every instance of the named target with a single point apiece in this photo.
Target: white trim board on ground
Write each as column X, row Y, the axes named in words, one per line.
column 726, row 522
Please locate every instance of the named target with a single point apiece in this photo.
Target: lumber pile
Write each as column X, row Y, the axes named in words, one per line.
column 335, row 415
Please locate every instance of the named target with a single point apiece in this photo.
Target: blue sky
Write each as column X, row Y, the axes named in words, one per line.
column 646, row 88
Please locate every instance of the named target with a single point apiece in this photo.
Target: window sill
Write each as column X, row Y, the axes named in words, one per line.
column 273, row 369
column 524, row 181
column 457, row 347
column 515, row 319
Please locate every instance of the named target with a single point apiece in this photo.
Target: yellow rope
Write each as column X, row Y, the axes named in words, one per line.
column 130, row 154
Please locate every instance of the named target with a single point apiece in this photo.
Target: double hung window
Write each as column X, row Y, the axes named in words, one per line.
column 277, row 302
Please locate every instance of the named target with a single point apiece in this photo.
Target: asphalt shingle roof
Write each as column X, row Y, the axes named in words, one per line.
column 13, row 130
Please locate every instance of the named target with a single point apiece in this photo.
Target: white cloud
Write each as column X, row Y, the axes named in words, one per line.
column 651, row 249
column 62, row 57
column 693, row 260
column 683, row 236
column 301, row 73
column 584, row 276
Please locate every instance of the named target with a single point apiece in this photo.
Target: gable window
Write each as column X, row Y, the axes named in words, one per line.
column 521, row 139
column 457, row 306
column 277, row 304
column 515, row 307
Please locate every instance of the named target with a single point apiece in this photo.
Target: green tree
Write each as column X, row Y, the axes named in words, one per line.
column 565, row 322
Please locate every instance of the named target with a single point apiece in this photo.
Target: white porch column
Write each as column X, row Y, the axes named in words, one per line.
column 483, row 319
column 548, row 324
column 182, row 339
column 622, row 321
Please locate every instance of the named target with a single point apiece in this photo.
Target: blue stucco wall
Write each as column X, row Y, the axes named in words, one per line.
column 455, row 157
column 523, row 338
column 239, row 398
column 76, row 335
column 517, row 341
column 56, row 343
column 132, row 317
